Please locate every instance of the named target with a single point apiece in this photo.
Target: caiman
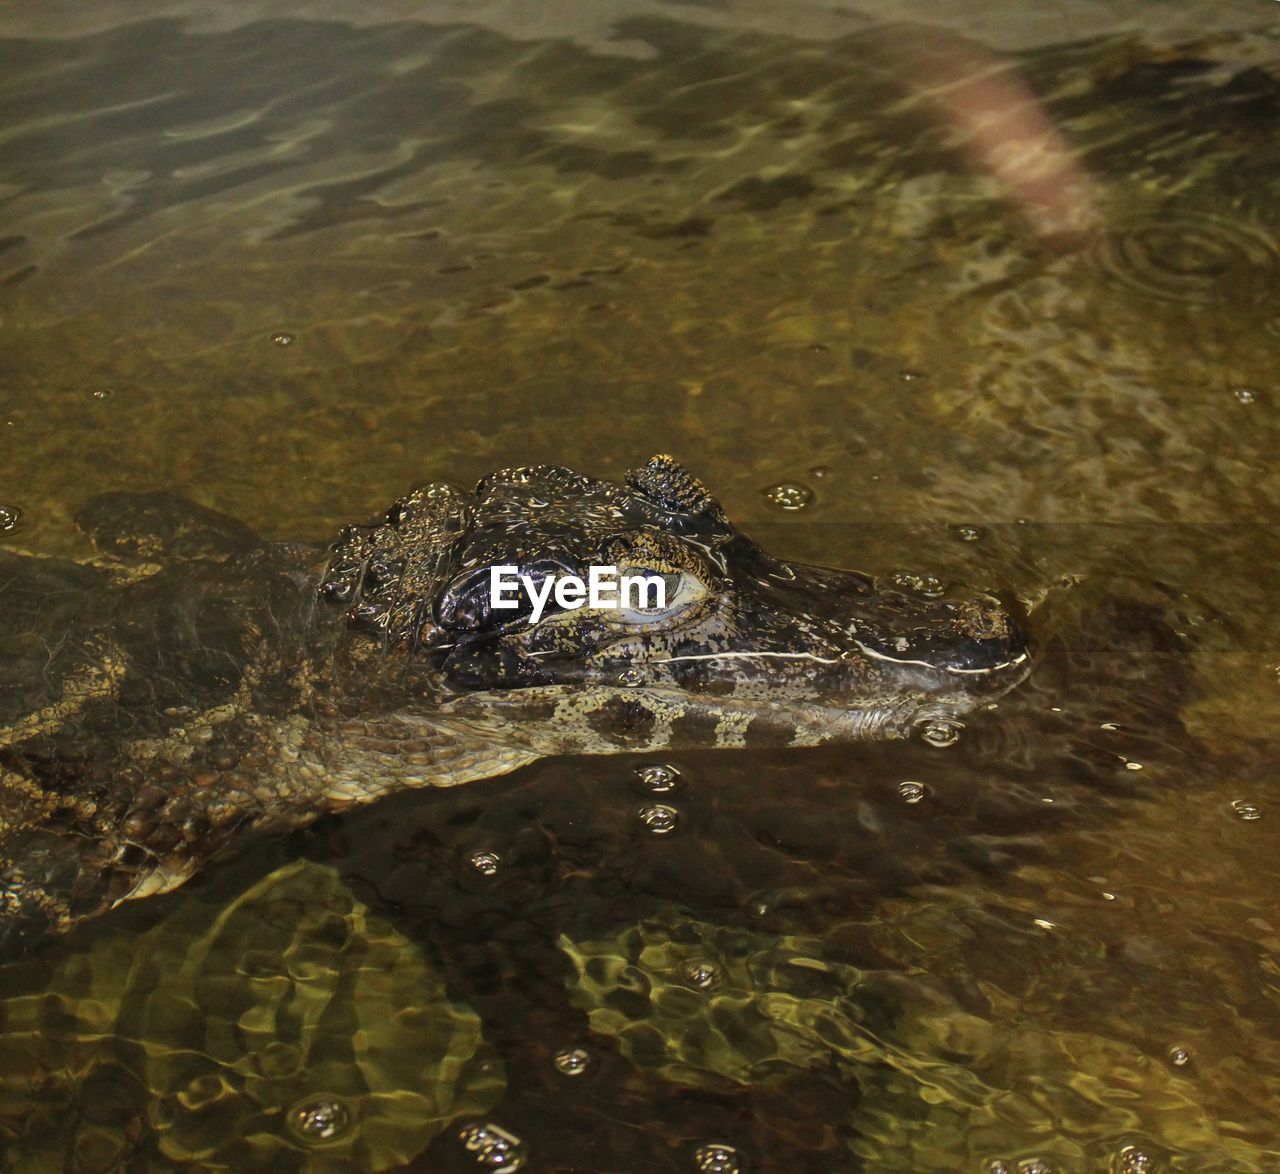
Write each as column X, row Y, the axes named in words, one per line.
column 192, row 685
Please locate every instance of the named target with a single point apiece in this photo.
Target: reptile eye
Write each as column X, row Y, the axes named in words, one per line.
column 468, row 613
column 677, row 590
column 463, row 606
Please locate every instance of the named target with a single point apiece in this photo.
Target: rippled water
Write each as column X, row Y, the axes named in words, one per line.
column 290, row 259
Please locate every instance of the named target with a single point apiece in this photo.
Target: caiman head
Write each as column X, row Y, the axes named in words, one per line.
column 748, row 650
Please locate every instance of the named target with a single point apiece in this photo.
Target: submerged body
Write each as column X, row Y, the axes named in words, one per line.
column 195, row 685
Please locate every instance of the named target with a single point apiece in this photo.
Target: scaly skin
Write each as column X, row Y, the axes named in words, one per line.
column 195, row 686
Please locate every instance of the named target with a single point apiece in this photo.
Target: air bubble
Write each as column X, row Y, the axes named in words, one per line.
column 1179, row 1056
column 495, row 1148
column 102, row 393
column 702, row 974
column 912, row 376
column 659, row 777
column 912, row 792
column 1034, row 1166
column 762, row 904
column 788, row 495
column 968, row 533
column 1133, row 765
column 10, row 516
column 319, row 1118
column 940, row 732
column 717, row 1157
column 630, row 677
column 820, row 471
column 660, row 819
column 1246, row 810
column 485, row 863
column 1245, row 395
column 572, row 1061
column 1132, row 1160
column 1111, row 726
column 282, row 338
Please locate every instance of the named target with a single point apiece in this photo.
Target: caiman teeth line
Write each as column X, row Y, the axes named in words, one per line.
column 1014, row 662
column 743, row 655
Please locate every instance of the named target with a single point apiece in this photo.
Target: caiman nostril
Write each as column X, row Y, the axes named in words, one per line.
column 982, row 619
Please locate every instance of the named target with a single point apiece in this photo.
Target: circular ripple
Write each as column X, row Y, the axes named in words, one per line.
column 1186, row 258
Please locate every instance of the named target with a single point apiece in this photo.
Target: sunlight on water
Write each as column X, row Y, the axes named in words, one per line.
column 988, row 294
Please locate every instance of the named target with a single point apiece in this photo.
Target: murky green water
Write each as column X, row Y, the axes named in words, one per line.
column 290, row 260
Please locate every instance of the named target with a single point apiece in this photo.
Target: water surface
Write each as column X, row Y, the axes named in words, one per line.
column 289, row 260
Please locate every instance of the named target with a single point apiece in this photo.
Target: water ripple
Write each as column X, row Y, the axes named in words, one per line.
column 1191, row 257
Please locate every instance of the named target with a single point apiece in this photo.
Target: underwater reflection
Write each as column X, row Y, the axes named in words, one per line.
column 1000, row 127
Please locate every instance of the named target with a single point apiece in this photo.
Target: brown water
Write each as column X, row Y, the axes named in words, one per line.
column 289, row 261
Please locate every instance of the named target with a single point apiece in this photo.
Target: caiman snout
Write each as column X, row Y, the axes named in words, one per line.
column 974, row 635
